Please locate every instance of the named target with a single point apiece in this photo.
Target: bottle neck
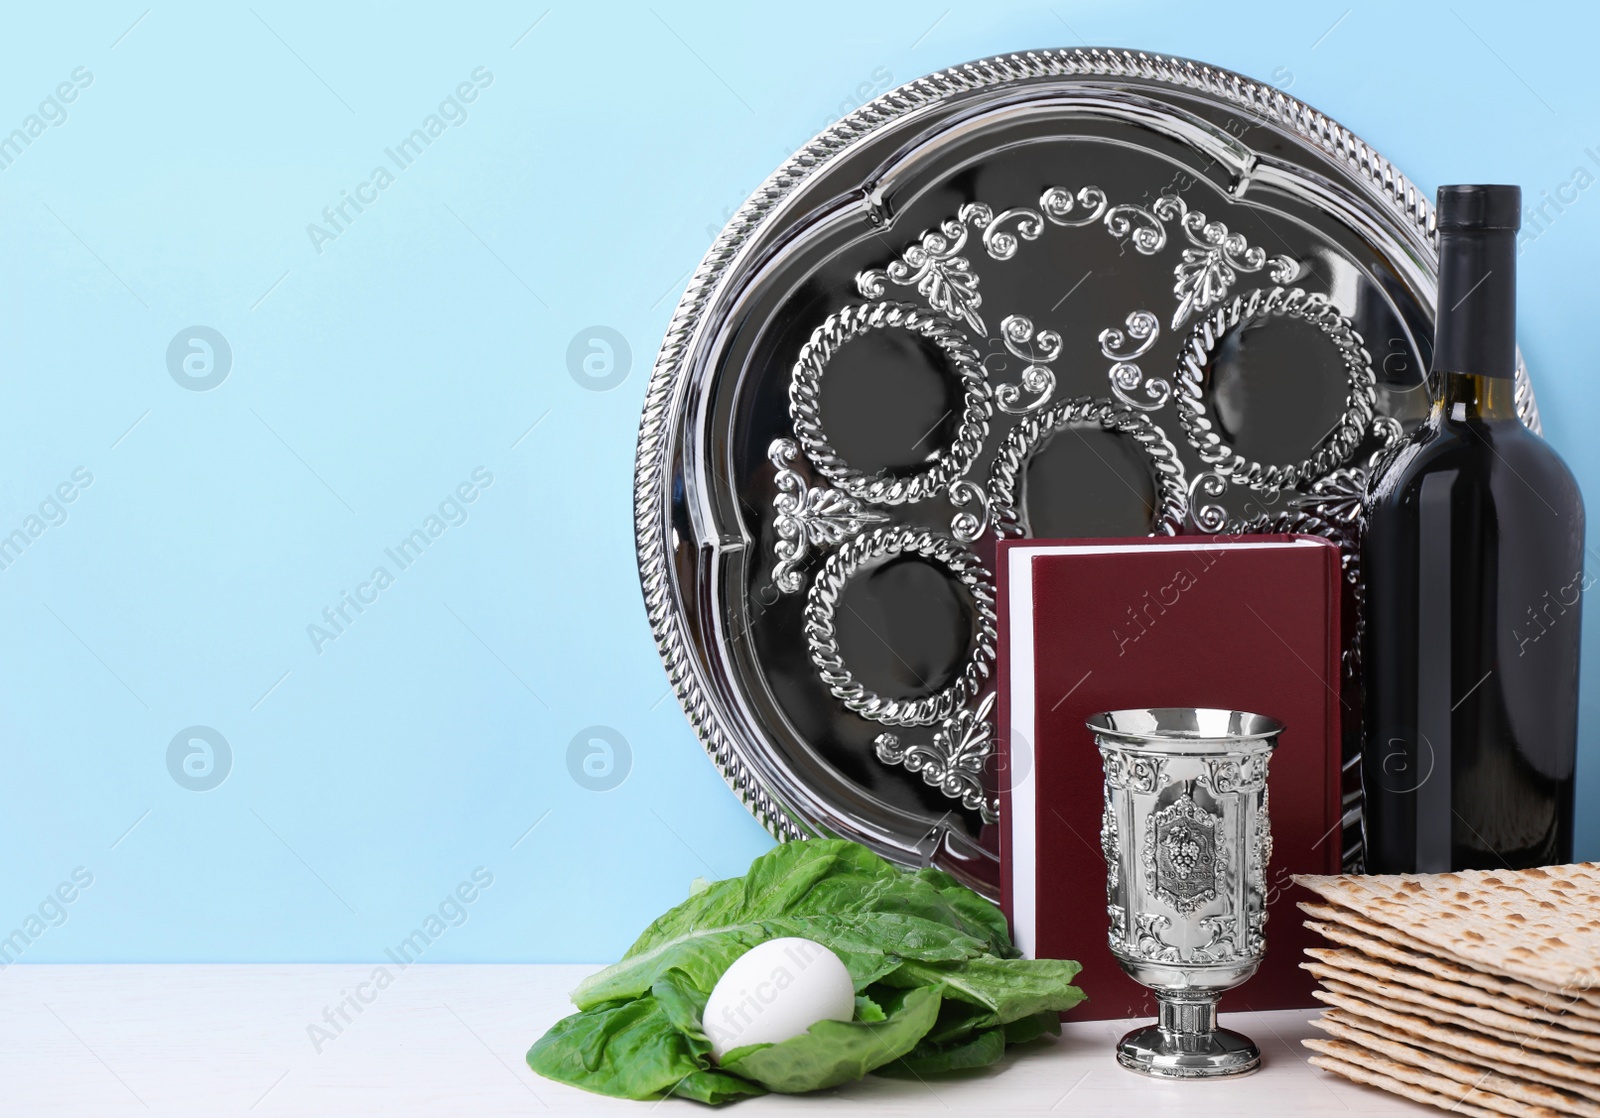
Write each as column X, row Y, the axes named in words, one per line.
column 1469, row 398
column 1476, row 328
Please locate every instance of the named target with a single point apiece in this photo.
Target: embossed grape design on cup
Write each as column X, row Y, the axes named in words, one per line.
column 1187, row 840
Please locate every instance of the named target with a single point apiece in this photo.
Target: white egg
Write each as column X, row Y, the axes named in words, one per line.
column 775, row 991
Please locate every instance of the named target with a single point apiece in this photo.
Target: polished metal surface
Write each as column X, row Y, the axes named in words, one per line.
column 1187, row 839
column 1063, row 293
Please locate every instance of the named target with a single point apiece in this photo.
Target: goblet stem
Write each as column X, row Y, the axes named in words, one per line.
column 1188, row 1021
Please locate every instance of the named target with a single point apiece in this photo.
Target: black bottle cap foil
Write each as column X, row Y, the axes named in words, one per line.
column 1479, row 206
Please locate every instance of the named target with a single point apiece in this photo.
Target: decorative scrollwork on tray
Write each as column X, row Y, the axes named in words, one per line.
column 953, row 762
column 1139, row 226
column 1123, row 345
column 936, row 268
column 1038, row 350
column 1203, row 343
column 1204, row 275
column 1336, row 497
column 807, row 518
column 999, row 242
column 946, row 465
column 1207, row 271
column 968, row 526
column 1208, row 517
column 821, row 635
column 1058, row 203
column 1127, row 377
column 1142, row 327
column 1006, row 510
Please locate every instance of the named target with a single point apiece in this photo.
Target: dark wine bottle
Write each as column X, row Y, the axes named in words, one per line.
column 1472, row 564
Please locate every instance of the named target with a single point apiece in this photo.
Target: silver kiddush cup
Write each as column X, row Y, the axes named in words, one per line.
column 1186, row 840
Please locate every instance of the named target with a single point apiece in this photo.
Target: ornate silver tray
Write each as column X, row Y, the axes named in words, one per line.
column 1063, row 293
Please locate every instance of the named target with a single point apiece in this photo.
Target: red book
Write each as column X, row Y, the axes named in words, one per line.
column 1245, row 623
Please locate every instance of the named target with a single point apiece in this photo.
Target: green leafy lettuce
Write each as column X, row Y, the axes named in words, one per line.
column 939, row 986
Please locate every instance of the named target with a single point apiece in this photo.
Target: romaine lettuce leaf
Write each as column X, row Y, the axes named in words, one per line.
column 629, row 1049
column 835, row 1052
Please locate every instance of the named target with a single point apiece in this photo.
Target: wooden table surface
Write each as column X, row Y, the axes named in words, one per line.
column 446, row 1041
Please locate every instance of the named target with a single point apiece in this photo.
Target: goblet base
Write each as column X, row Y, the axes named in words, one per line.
column 1155, row 1051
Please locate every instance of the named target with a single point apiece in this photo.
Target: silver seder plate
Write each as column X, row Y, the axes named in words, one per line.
column 1063, row 293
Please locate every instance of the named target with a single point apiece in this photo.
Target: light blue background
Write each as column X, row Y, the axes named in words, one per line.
column 423, row 342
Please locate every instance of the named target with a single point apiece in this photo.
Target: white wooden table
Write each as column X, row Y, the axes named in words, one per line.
column 449, row 1041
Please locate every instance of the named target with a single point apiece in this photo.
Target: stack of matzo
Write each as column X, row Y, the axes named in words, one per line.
column 1476, row 991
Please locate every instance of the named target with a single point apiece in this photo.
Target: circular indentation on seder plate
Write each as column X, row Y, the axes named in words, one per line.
column 862, row 557
column 1087, row 481
column 1086, row 468
column 889, row 402
column 1277, row 389
column 905, row 627
column 1243, row 342
column 931, row 470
